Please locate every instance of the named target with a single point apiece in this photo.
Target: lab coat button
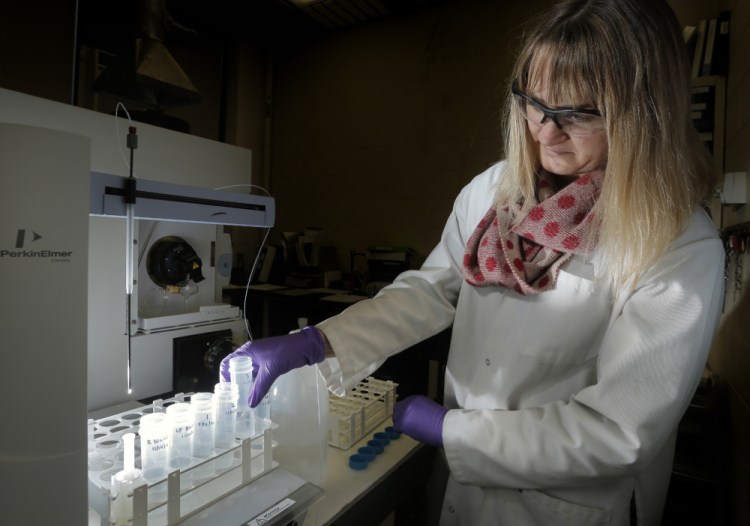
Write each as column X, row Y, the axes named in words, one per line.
column 487, row 361
column 451, row 509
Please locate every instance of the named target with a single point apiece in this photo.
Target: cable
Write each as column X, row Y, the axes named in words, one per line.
column 244, row 186
column 249, row 280
column 257, row 257
column 117, row 132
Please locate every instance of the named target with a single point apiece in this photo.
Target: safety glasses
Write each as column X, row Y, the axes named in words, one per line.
column 575, row 121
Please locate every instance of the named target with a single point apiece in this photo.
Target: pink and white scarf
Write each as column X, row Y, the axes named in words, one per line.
column 527, row 257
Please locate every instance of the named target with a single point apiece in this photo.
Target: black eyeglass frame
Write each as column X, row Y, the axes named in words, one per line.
column 552, row 113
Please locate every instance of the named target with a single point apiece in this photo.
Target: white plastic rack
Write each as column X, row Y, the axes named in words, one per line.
column 363, row 408
column 183, row 492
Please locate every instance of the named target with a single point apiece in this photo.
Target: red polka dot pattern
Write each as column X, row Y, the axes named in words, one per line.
column 536, row 214
column 571, row 242
column 566, row 201
column 527, row 257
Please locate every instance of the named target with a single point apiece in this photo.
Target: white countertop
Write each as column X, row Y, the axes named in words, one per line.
column 344, row 486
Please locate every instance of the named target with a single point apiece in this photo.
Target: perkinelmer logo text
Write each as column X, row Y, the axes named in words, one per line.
column 24, row 249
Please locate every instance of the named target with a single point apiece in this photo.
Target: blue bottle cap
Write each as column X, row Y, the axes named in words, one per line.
column 376, row 445
column 367, row 452
column 358, row 462
column 392, row 433
column 382, row 436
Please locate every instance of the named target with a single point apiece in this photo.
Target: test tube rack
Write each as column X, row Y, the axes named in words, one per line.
column 183, row 492
column 360, row 411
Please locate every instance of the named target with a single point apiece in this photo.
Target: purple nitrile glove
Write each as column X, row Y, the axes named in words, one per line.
column 277, row 355
column 421, row 418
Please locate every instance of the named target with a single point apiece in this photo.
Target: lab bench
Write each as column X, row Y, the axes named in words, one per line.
column 394, row 483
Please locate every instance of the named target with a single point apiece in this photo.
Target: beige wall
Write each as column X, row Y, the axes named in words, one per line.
column 246, row 125
column 377, row 128
column 37, row 58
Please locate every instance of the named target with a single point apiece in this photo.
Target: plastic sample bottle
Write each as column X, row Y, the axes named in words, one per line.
column 123, row 484
column 180, row 422
column 154, row 446
column 262, row 414
column 225, row 397
column 204, row 423
column 300, row 408
column 204, row 439
column 241, row 374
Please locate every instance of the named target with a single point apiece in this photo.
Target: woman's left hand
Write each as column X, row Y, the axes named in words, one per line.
column 421, row 418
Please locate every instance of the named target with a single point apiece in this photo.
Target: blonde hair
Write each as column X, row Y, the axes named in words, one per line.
column 628, row 59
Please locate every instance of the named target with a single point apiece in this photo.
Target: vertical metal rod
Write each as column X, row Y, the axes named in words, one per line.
column 132, row 142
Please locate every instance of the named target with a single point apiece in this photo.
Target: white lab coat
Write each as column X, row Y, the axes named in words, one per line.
column 563, row 403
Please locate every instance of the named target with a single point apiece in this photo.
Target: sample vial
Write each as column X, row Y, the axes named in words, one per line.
column 241, row 374
column 122, row 485
column 262, row 414
column 204, row 424
column 203, row 434
column 154, row 446
column 180, row 422
column 225, row 397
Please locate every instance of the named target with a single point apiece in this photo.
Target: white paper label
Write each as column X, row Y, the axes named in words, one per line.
column 270, row 513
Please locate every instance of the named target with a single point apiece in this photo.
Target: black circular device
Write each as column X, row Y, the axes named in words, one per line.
column 219, row 349
column 197, row 360
column 171, row 261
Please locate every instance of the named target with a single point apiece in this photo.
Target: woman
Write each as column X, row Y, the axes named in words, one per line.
column 581, row 277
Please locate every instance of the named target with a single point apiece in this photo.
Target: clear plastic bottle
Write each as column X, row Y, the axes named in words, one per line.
column 262, row 414
column 123, row 484
column 300, row 408
column 204, row 436
column 154, row 446
column 225, row 397
column 241, row 374
column 180, row 422
column 204, row 414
